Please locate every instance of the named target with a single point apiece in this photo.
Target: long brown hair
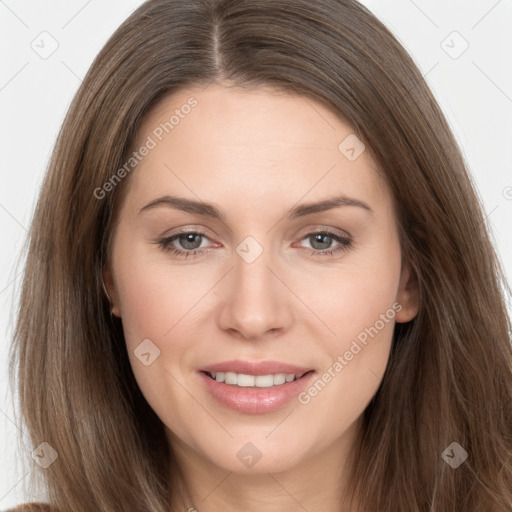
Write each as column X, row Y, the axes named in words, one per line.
column 449, row 377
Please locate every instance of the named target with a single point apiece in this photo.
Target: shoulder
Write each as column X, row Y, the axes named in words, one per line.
column 31, row 507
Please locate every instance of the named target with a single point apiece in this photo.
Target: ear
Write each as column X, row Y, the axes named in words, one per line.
column 407, row 295
column 108, row 279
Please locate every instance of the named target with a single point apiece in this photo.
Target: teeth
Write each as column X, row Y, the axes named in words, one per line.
column 260, row 381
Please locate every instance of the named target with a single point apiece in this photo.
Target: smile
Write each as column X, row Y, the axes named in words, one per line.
column 259, row 381
column 254, row 394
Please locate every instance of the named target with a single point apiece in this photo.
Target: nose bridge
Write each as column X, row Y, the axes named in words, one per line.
column 255, row 301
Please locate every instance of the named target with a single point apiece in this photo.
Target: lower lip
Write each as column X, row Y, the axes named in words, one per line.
column 255, row 400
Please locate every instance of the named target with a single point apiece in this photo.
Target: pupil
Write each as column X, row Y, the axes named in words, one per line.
column 189, row 239
column 318, row 238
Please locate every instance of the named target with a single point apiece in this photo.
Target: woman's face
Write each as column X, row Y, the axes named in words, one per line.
column 292, row 258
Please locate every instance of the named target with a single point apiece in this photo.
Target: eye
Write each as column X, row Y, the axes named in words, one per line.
column 190, row 243
column 324, row 240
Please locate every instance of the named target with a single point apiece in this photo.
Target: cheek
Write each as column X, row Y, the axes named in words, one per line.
column 358, row 350
column 158, row 302
column 358, row 303
column 141, row 306
column 356, row 296
column 153, row 296
column 357, row 357
column 155, row 306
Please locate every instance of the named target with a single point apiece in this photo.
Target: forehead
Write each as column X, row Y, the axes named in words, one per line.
column 246, row 117
column 252, row 144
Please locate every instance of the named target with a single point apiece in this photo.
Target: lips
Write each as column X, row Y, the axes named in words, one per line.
column 255, row 400
column 252, row 400
column 255, row 368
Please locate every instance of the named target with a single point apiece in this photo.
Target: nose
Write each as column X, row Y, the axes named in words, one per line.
column 256, row 302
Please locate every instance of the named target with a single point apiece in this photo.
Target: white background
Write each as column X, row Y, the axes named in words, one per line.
column 474, row 90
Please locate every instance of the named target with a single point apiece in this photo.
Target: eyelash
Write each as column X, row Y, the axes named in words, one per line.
column 165, row 244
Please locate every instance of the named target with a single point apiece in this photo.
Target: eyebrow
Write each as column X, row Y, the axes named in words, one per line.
column 208, row 210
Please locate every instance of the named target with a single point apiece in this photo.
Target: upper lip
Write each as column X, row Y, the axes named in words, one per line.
column 255, row 368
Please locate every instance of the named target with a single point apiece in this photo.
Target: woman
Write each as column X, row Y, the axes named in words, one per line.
column 343, row 264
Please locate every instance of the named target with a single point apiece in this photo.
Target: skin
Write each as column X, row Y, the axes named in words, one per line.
column 255, row 154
